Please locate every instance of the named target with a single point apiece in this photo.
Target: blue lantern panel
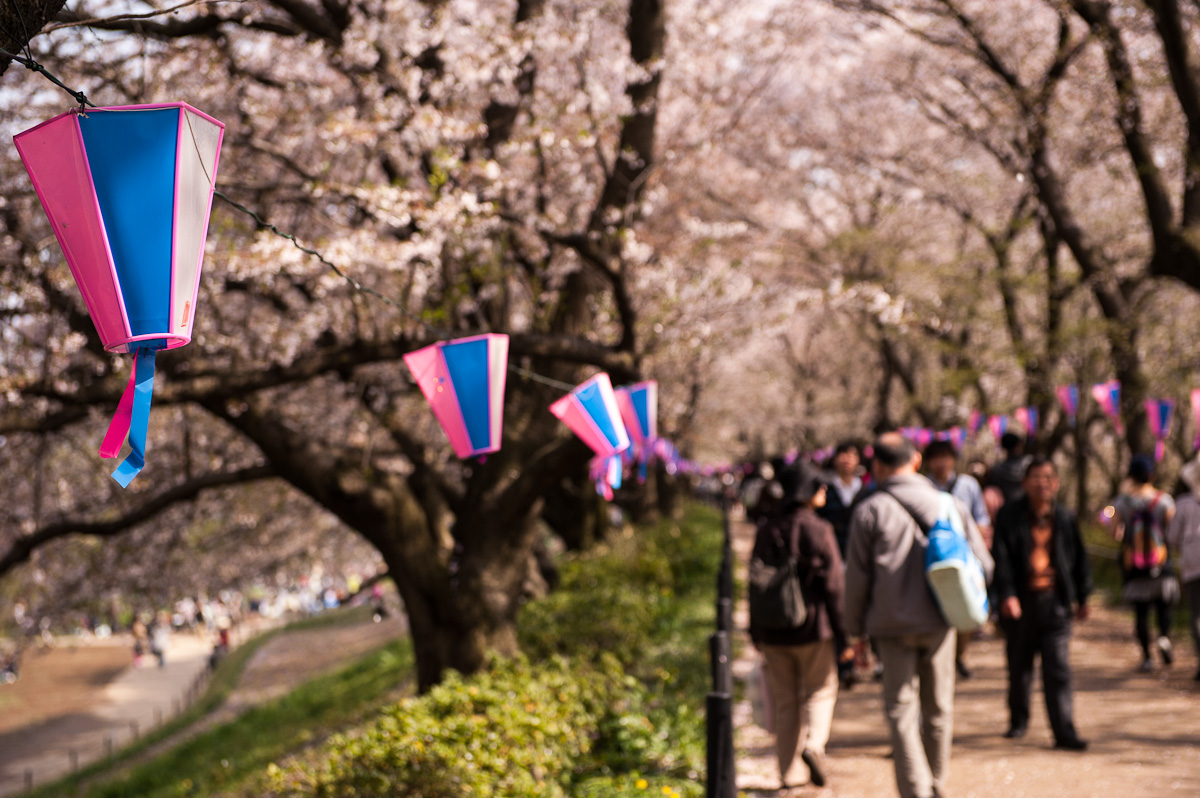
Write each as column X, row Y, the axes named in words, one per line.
column 593, row 402
column 467, row 364
column 132, row 158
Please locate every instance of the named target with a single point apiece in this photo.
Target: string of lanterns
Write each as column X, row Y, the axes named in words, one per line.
column 1160, row 412
column 128, row 191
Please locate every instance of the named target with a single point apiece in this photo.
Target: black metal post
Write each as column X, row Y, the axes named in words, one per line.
column 725, row 575
column 722, row 774
column 722, row 770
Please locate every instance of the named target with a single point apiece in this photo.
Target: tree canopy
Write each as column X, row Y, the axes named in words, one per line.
column 807, row 221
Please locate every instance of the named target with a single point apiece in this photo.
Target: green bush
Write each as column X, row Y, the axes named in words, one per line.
column 610, row 707
column 514, row 730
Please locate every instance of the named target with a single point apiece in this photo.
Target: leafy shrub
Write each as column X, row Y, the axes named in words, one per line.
column 612, row 706
column 514, row 730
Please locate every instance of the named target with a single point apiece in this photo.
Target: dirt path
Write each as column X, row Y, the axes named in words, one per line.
column 98, row 709
column 1144, row 729
column 289, row 660
column 59, row 681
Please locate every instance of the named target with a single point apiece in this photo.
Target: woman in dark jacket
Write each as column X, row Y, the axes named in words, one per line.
column 801, row 661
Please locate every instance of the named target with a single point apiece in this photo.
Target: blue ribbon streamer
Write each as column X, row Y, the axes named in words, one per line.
column 140, row 423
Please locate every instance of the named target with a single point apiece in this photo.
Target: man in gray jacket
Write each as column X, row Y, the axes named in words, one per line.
column 887, row 597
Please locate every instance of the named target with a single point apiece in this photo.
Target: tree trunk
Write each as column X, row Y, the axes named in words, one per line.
column 670, row 493
column 461, row 610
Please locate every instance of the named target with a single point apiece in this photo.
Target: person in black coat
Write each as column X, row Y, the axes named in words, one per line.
column 1042, row 581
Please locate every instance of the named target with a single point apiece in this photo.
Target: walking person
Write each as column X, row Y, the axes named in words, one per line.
column 941, row 464
column 1008, row 475
column 1183, row 535
column 1043, row 579
column 888, row 598
column 845, row 483
column 845, row 486
column 160, row 638
column 1140, row 519
column 800, row 661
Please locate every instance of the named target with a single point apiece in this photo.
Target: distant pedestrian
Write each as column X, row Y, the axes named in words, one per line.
column 845, row 487
column 845, row 483
column 941, row 463
column 160, row 638
column 141, row 641
column 888, row 597
column 1043, row 579
column 1183, row 534
column 800, row 661
column 1140, row 519
column 1008, row 475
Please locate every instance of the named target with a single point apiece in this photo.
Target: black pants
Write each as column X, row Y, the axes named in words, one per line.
column 1141, row 610
column 1044, row 628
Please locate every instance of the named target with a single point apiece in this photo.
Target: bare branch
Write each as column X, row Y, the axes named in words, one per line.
column 24, row 546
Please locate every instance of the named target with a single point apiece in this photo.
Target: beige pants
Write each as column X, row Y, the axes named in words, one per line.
column 918, row 699
column 804, row 686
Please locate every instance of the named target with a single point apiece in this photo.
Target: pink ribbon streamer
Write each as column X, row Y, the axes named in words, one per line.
column 118, row 428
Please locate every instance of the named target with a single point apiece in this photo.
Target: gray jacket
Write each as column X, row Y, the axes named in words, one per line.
column 886, row 591
column 1183, row 535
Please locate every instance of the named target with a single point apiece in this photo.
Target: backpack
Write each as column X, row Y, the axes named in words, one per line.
column 954, row 573
column 776, row 598
column 1144, row 549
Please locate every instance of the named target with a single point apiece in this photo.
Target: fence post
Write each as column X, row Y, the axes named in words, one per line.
column 722, row 770
column 28, row 778
column 73, row 755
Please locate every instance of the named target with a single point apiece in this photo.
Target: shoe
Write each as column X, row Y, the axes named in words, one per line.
column 1146, row 666
column 962, row 669
column 1165, row 651
column 1073, row 744
column 1015, row 733
column 816, row 766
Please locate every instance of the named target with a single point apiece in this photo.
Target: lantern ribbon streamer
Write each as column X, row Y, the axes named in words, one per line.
column 132, row 418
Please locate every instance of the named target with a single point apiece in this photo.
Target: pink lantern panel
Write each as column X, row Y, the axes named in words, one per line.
column 591, row 411
column 463, row 381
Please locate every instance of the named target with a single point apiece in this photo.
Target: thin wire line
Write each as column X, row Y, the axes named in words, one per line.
column 531, row 375
column 4, row 29
column 34, row 66
column 81, row 98
column 24, row 29
column 524, row 372
column 211, row 183
column 333, row 266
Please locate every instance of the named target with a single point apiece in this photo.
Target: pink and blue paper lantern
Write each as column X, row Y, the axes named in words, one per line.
column 1068, row 397
column 638, row 404
column 1108, row 396
column 1160, row 413
column 591, row 411
column 463, row 381
column 128, row 191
